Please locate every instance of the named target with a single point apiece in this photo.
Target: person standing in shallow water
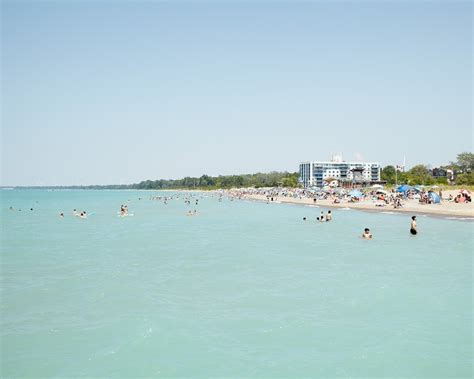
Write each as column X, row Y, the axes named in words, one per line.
column 413, row 229
column 329, row 216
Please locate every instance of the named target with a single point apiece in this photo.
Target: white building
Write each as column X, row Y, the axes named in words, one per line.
column 316, row 173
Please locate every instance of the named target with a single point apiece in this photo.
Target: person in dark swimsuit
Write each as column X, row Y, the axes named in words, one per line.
column 413, row 226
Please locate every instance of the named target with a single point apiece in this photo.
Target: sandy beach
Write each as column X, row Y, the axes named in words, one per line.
column 413, row 206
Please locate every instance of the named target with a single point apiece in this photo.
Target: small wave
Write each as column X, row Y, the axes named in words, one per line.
column 459, row 218
column 388, row 213
column 312, row 206
column 346, row 209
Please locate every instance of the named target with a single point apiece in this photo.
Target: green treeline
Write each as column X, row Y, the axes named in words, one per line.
column 272, row 179
column 463, row 170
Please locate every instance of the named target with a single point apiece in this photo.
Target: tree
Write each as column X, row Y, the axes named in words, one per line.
column 420, row 174
column 291, row 180
column 466, row 162
column 403, row 177
column 467, row 178
column 441, row 181
column 388, row 173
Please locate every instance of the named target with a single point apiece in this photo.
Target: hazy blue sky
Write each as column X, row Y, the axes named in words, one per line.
column 118, row 92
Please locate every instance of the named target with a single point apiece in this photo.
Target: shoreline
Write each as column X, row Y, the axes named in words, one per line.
column 412, row 207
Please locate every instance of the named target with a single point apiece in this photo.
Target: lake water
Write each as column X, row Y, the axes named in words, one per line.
column 242, row 289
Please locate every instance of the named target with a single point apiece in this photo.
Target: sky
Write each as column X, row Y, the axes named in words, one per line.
column 102, row 92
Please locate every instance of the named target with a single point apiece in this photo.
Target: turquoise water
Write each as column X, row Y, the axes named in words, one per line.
column 243, row 289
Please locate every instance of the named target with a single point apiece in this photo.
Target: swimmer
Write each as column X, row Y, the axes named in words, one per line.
column 304, row 218
column 83, row 214
column 329, row 216
column 11, row 208
column 123, row 210
column 413, row 226
column 366, row 235
column 61, row 215
column 317, row 219
column 321, row 218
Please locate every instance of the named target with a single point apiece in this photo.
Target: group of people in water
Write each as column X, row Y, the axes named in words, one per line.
column 81, row 214
column 125, row 212
column 189, row 199
column 413, row 229
column 366, row 234
column 322, row 217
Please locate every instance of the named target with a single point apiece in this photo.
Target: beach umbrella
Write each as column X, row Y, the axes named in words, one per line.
column 356, row 193
column 434, row 186
column 375, row 186
column 381, row 191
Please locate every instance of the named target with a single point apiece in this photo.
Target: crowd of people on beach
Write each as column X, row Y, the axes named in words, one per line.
column 380, row 197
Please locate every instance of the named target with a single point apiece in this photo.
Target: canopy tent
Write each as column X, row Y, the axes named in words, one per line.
column 356, row 193
column 434, row 197
column 404, row 188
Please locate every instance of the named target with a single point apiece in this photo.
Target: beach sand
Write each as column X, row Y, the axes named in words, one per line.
column 460, row 210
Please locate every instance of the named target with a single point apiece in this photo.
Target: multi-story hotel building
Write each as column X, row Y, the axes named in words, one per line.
column 321, row 173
